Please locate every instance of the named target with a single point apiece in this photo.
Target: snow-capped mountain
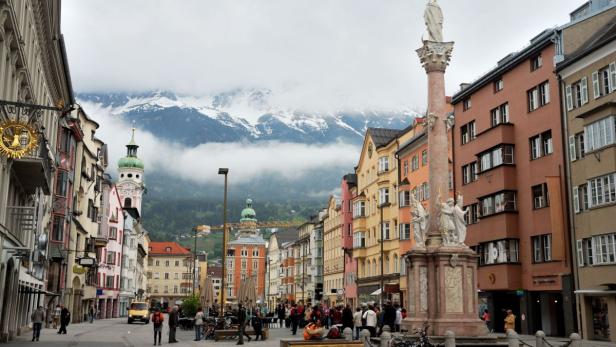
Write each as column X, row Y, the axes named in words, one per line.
column 241, row 115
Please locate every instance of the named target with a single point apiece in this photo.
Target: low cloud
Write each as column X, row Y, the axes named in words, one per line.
column 200, row 164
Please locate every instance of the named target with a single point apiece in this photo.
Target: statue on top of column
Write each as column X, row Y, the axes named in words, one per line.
column 420, row 222
column 433, row 17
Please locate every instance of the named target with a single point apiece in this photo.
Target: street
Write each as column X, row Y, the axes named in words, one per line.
column 117, row 333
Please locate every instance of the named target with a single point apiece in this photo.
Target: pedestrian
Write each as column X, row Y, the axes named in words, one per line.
column 198, row 324
column 38, row 317
column 92, row 313
column 347, row 317
column 294, row 315
column 371, row 320
column 257, row 325
column 389, row 317
column 281, row 315
column 398, row 318
column 485, row 317
column 314, row 331
column 358, row 322
column 173, row 324
column 509, row 321
column 157, row 322
column 241, row 329
column 65, row 318
column 56, row 316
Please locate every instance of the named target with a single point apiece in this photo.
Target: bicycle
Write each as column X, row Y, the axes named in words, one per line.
column 419, row 339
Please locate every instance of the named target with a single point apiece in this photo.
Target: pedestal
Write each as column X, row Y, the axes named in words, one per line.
column 442, row 287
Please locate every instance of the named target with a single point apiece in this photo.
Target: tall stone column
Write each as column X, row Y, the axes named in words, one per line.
column 434, row 57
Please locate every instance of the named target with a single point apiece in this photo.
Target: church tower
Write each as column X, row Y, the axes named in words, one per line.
column 130, row 181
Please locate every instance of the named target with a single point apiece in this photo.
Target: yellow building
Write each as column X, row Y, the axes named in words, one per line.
column 375, row 201
column 333, row 256
column 169, row 273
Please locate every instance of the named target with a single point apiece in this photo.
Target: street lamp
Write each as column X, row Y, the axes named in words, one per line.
column 225, row 172
column 198, row 229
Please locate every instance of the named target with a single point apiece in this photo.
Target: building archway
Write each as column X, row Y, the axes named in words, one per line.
column 76, row 315
column 128, row 202
column 7, row 298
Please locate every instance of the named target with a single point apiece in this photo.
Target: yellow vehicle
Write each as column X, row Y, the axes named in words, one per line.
column 138, row 311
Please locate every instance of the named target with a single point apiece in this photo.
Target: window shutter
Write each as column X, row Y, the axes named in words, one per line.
column 580, row 252
column 584, row 83
column 572, row 154
column 569, row 97
column 613, row 76
column 576, row 200
column 595, row 84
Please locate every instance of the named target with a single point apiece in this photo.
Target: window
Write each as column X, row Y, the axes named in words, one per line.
column 496, row 156
column 473, row 214
column 604, row 249
column 62, row 183
column 405, row 199
column 498, row 85
column 500, row 202
column 109, row 282
column 166, row 275
column 580, row 198
column 359, row 209
column 157, row 263
column 467, row 132
column 359, row 240
column 414, row 163
column 255, row 264
column 244, row 252
column 599, row 134
column 498, row 252
column 466, row 104
column 604, row 80
column 244, row 264
column 385, row 231
column 111, row 257
column 166, row 263
column 383, row 164
column 177, row 263
column 601, row 190
column 58, row 228
column 538, row 96
column 536, row 62
column 176, row 276
column 541, row 145
column 156, row 275
column 540, row 196
column 424, row 157
column 175, row 289
column 576, row 94
column 113, row 233
column 500, row 115
column 405, row 231
column 383, row 196
column 542, row 248
column 425, row 191
column 255, row 252
column 469, row 173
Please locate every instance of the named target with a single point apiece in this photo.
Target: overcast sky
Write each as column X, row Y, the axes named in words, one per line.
column 312, row 54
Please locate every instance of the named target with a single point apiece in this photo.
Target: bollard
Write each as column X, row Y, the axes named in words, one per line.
column 513, row 339
column 576, row 340
column 364, row 336
column 348, row 334
column 385, row 336
column 450, row 339
column 539, row 339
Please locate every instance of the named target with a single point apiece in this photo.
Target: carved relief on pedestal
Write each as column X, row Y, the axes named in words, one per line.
column 423, row 289
column 453, row 289
column 411, row 289
column 470, row 300
column 435, row 56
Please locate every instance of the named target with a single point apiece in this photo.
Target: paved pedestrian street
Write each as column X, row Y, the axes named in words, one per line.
column 117, row 333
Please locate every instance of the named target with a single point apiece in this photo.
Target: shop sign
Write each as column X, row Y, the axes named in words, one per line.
column 16, row 139
column 392, row 288
column 79, row 270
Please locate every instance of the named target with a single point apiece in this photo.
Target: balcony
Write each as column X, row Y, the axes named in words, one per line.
column 102, row 238
column 21, row 223
column 34, row 170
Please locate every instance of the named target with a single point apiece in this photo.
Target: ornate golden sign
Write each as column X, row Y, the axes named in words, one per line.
column 79, row 270
column 16, row 139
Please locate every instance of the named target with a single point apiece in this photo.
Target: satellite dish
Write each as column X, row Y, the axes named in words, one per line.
column 42, row 244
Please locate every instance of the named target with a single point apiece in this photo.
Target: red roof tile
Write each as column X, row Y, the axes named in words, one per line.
column 171, row 248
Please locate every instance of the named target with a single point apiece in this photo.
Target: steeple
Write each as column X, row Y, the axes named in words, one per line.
column 131, row 159
column 131, row 148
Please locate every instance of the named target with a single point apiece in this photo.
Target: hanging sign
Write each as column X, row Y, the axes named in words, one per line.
column 16, row 139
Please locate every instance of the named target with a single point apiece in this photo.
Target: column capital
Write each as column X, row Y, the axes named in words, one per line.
column 435, row 56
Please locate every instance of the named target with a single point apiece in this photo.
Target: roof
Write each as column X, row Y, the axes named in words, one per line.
column 287, row 235
column 382, row 136
column 167, row 248
column 215, row 271
column 510, row 61
column 602, row 37
column 411, row 142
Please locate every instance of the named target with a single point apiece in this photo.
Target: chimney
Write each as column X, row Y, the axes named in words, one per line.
column 463, row 86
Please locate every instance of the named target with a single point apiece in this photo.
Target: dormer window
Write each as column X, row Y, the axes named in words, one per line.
column 168, row 249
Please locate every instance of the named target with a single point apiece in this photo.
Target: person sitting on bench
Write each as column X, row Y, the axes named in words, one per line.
column 314, row 331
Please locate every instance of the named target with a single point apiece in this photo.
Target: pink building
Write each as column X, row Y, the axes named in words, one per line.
column 350, row 264
column 110, row 256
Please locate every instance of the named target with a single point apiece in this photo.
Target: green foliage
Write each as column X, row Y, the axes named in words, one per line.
column 190, row 306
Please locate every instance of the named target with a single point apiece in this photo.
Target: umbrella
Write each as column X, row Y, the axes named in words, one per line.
column 250, row 292
column 207, row 292
column 241, row 290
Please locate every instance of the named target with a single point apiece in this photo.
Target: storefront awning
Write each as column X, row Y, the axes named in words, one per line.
column 31, row 290
column 596, row 292
column 376, row 292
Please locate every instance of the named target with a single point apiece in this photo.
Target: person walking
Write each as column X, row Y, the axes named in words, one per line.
column 92, row 313
column 281, row 315
column 485, row 317
column 371, row 320
column 173, row 324
column 389, row 317
column 38, row 317
column 509, row 321
column 294, row 315
column 198, row 324
column 398, row 318
column 241, row 329
column 157, row 322
column 257, row 325
column 56, row 316
column 347, row 317
column 65, row 318
column 357, row 322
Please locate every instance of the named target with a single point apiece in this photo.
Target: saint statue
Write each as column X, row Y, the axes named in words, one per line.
column 433, row 17
column 448, row 225
column 459, row 221
column 420, row 222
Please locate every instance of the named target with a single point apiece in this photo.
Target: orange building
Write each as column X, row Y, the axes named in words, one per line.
column 246, row 256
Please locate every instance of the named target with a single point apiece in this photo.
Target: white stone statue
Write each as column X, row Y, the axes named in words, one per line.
column 433, row 17
column 460, row 221
column 420, row 222
column 447, row 221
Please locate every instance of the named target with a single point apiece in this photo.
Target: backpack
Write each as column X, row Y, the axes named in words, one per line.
column 157, row 318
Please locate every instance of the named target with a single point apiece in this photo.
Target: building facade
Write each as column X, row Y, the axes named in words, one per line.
column 349, row 181
column 287, row 262
column 588, row 82
column 169, row 273
column 333, row 254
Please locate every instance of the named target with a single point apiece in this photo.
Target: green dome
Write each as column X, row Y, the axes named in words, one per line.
column 128, row 162
column 248, row 214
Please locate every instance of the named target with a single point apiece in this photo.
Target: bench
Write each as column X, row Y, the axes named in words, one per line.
column 232, row 334
column 320, row 343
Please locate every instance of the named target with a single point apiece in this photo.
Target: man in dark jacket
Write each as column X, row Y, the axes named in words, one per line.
column 389, row 317
column 347, row 318
column 241, row 320
column 65, row 318
column 173, row 324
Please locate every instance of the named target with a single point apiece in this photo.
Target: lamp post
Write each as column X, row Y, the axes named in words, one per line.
column 225, row 172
